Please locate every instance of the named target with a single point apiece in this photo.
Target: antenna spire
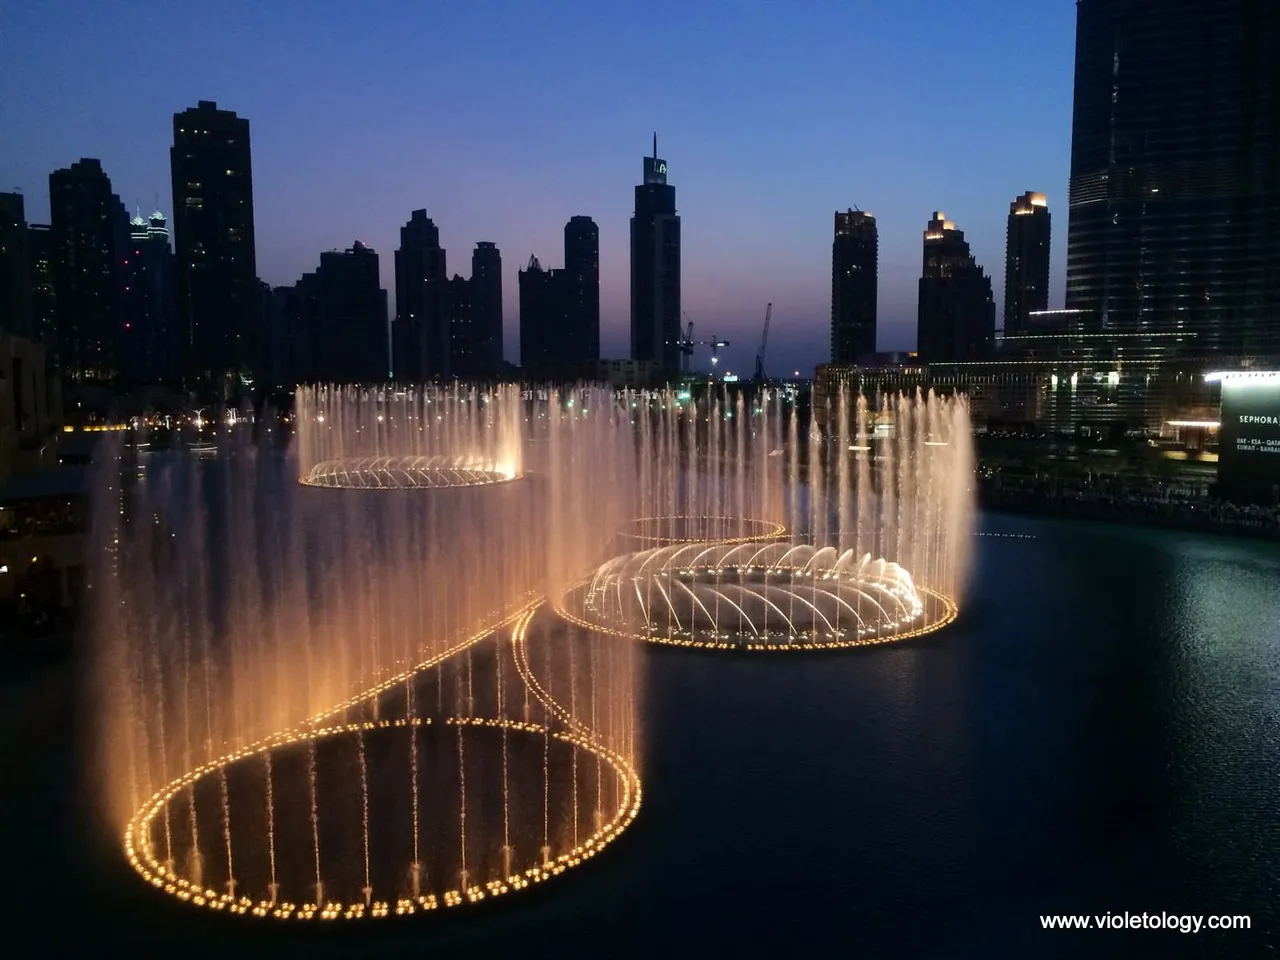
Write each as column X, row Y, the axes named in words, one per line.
column 655, row 144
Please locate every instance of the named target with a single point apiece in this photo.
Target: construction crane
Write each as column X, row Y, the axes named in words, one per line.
column 764, row 342
column 686, row 346
column 715, row 343
column 687, row 343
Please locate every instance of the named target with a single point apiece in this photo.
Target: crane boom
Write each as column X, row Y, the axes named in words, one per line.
column 687, row 343
column 764, row 342
column 686, row 346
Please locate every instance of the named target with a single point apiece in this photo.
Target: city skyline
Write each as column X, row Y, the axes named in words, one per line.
column 344, row 151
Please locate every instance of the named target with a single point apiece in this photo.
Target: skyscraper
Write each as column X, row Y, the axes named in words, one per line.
column 542, row 347
column 89, row 236
column 854, row 255
column 582, row 285
column 486, row 304
column 278, row 367
column 149, row 344
column 15, row 268
column 44, row 301
column 468, row 346
column 420, row 334
column 348, row 337
column 218, row 299
column 1026, row 261
column 956, row 318
column 1175, row 172
column 297, row 310
column 655, row 269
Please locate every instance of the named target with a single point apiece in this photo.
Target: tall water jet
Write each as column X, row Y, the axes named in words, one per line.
column 879, row 504
column 314, row 628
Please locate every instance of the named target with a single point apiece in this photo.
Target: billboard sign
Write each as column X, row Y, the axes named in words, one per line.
column 1249, row 438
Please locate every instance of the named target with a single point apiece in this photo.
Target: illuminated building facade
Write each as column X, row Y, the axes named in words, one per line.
column 1026, row 261
column 854, row 264
column 655, row 269
column 218, row 297
column 1175, row 172
column 1061, row 378
column 956, row 313
column 44, row 300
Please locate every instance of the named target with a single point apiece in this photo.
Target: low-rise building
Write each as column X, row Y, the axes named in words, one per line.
column 41, row 502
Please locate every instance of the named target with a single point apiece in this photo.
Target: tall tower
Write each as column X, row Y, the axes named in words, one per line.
column 655, row 269
column 582, row 285
column 486, row 307
column 1175, row 173
column 150, row 344
column 420, row 334
column 44, row 301
column 956, row 316
column 1026, row 261
column 541, row 320
column 218, row 295
column 89, row 230
column 854, row 255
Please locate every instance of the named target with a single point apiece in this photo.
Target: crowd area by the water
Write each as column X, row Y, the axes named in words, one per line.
column 1158, row 503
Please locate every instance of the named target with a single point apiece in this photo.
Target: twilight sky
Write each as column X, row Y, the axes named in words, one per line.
column 503, row 119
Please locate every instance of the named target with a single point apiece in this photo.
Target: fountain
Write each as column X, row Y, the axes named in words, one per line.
column 758, row 534
column 755, row 596
column 328, row 704
column 376, row 677
column 393, row 437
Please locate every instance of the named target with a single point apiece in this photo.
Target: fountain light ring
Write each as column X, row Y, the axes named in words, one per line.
column 771, row 596
column 947, row 613
column 753, row 529
column 144, row 859
column 407, row 473
column 520, row 649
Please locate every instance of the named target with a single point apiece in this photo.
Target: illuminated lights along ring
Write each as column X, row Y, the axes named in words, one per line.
column 407, row 473
column 143, row 858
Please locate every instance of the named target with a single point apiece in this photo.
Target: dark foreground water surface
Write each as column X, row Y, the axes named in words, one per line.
column 1099, row 734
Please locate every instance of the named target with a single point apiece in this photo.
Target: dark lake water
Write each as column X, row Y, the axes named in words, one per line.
column 1099, row 733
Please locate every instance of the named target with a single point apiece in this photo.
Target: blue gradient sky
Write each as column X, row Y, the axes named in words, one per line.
column 503, row 119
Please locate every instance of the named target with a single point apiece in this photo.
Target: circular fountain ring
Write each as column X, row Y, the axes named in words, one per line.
column 406, row 473
column 753, row 596
column 645, row 532
column 143, row 857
